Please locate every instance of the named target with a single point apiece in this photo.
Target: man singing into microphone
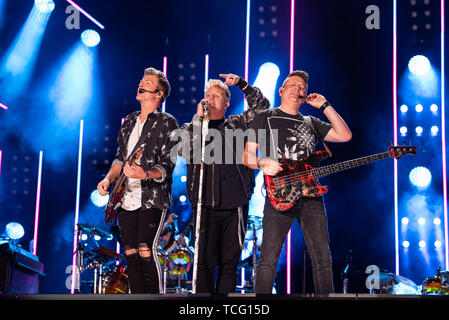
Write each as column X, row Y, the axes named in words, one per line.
column 147, row 195
column 296, row 139
column 227, row 186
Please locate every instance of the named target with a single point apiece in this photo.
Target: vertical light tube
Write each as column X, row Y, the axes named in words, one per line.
column 248, row 20
column 289, row 235
column 206, row 70
column 77, row 206
column 395, row 137
column 38, row 201
column 164, row 70
column 443, row 137
column 1, row 154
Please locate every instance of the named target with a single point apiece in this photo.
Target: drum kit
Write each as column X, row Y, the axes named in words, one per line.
column 110, row 273
column 390, row 283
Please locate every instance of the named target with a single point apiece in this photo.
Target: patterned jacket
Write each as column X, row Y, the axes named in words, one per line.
column 235, row 173
column 156, row 154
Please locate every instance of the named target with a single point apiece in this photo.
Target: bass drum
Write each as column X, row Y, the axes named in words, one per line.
column 435, row 286
column 179, row 263
column 117, row 281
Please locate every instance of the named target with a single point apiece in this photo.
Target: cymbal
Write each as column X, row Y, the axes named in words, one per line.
column 94, row 230
column 388, row 276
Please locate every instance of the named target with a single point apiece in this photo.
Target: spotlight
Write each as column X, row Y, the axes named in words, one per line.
column 183, row 178
column 437, row 244
column 433, row 107
column 404, row 108
column 437, row 221
column 422, row 244
column 418, row 130
column 422, row 221
column 182, row 198
column 44, row 6
column 419, row 108
column 404, row 220
column 403, row 130
column 90, row 38
column 99, row 200
column 419, row 65
column 14, row 230
column 405, row 244
column 420, row 177
column 434, row 130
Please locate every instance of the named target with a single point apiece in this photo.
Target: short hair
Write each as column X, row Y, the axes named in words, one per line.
column 298, row 73
column 163, row 84
column 220, row 84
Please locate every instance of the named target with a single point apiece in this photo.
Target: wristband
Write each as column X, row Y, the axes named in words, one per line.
column 324, row 106
column 258, row 162
column 147, row 177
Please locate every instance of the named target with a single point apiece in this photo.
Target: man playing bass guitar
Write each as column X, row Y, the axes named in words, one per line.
column 296, row 137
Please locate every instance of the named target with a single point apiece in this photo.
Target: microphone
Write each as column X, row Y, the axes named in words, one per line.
column 301, row 97
column 142, row 90
column 205, row 105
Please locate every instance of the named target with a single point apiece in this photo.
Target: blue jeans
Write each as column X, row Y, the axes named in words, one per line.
column 311, row 215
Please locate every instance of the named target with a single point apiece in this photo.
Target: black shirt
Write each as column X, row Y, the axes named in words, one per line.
column 287, row 136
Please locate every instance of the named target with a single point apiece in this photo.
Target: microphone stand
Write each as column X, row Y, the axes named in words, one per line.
column 204, row 130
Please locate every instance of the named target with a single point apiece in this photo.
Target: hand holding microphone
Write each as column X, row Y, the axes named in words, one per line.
column 202, row 108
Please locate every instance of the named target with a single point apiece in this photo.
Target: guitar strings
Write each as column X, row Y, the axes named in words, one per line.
column 293, row 178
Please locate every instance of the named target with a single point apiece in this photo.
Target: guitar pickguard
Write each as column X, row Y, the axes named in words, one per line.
column 288, row 186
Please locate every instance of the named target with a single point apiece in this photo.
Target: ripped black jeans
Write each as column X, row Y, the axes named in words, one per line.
column 140, row 230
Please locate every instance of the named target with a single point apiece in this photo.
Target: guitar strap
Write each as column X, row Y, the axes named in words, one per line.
column 314, row 129
column 146, row 127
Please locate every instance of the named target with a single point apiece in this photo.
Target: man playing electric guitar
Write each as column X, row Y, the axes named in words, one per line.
column 147, row 188
column 296, row 138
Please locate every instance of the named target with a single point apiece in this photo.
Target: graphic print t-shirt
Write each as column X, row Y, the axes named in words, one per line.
column 287, row 136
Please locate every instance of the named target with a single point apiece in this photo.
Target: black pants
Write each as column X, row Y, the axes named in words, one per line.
column 140, row 230
column 311, row 215
column 219, row 248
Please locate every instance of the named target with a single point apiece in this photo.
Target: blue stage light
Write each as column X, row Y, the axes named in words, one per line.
column 403, row 131
column 418, row 130
column 419, row 65
column 14, row 230
column 99, row 200
column 434, row 130
column 404, row 108
column 266, row 80
column 419, row 108
column 90, row 38
column 44, row 6
column 420, row 177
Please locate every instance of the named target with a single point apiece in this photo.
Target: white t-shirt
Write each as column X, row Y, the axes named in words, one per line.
column 132, row 197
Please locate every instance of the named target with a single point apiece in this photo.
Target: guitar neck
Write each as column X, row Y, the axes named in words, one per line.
column 326, row 170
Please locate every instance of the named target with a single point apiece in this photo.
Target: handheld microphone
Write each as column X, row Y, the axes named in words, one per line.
column 301, row 97
column 205, row 105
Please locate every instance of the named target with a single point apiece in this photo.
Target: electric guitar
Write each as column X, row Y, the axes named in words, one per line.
column 115, row 196
column 299, row 178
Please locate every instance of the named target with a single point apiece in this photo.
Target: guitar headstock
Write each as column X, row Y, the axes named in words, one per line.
column 398, row 152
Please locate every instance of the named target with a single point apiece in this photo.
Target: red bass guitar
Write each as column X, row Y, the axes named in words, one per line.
column 115, row 196
column 299, row 178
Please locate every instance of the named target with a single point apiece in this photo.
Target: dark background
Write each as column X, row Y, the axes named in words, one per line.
column 347, row 63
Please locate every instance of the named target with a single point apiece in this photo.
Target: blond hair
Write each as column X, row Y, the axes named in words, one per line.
column 219, row 84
